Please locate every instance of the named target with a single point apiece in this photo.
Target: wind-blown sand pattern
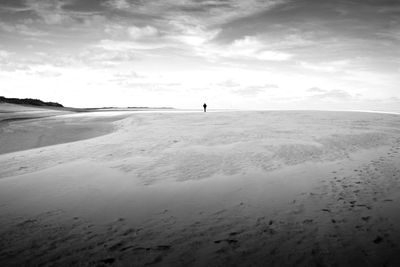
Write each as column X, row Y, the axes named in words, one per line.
column 276, row 188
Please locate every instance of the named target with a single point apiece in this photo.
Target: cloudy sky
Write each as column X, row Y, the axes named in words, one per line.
column 253, row 54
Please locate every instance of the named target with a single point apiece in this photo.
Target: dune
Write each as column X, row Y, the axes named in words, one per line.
column 256, row 188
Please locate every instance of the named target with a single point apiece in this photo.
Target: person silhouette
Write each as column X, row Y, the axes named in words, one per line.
column 205, row 107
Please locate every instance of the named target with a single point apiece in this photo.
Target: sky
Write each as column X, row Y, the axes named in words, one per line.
column 253, row 54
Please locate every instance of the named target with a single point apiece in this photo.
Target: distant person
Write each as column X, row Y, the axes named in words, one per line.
column 205, row 107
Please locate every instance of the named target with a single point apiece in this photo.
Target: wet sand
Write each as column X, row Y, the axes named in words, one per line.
column 281, row 188
column 23, row 127
column 28, row 133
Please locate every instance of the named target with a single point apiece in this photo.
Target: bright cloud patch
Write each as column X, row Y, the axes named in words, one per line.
column 144, row 32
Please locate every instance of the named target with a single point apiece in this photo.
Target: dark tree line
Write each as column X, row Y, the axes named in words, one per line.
column 29, row 101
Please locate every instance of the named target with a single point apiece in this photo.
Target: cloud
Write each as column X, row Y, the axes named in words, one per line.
column 253, row 48
column 13, row 5
column 149, row 86
column 254, row 90
column 189, row 32
column 247, row 48
column 65, row 12
column 329, row 67
column 273, row 56
column 49, row 11
column 119, row 4
column 127, row 46
column 143, row 32
column 22, row 29
column 228, row 83
column 335, row 94
column 126, row 77
column 13, row 66
column 316, row 90
column 85, row 6
column 129, row 75
column 203, row 7
column 99, row 57
column 4, row 54
column 215, row 11
column 45, row 73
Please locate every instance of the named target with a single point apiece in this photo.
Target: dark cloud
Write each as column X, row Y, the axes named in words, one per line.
column 375, row 3
column 322, row 19
column 12, row 11
column 204, row 6
column 13, row 4
column 86, row 5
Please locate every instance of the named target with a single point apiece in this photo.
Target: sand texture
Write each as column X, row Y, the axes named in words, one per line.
column 271, row 188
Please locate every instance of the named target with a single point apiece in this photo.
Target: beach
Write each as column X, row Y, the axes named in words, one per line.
column 239, row 188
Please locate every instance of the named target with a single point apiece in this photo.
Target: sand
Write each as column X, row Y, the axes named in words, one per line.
column 267, row 188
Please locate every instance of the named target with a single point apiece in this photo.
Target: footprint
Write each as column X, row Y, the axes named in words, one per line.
column 307, row 221
column 163, row 247
column 108, row 261
column 116, row 246
column 125, row 248
column 366, row 218
column 378, row 240
column 129, row 231
column 229, row 241
column 140, row 248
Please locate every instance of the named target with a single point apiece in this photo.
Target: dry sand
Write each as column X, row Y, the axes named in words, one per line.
column 279, row 188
